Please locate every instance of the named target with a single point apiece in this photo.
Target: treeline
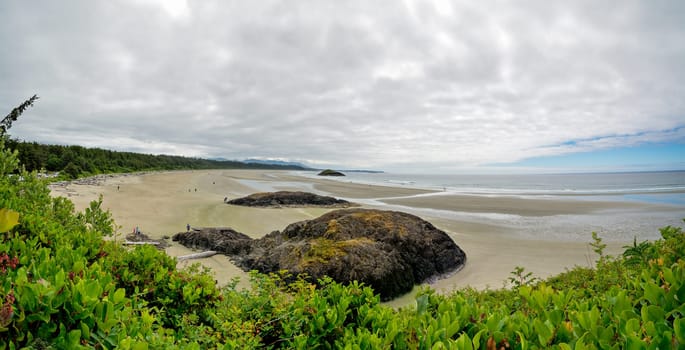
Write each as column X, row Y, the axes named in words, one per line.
column 78, row 161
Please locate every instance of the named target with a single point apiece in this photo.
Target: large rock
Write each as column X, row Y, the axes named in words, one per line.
column 329, row 172
column 133, row 238
column 289, row 199
column 220, row 239
column 390, row 251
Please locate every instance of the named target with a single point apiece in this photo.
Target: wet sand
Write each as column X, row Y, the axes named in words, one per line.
column 161, row 204
column 512, row 205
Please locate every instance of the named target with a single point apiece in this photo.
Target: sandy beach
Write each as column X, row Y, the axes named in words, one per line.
column 162, row 203
column 512, row 205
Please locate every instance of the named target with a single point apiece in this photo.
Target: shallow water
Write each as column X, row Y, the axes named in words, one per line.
column 662, row 192
column 534, row 184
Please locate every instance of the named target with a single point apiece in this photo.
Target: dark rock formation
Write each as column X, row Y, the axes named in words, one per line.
column 329, row 172
column 289, row 199
column 225, row 240
column 143, row 238
column 389, row 251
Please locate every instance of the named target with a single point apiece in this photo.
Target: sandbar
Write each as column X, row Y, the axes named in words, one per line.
column 514, row 205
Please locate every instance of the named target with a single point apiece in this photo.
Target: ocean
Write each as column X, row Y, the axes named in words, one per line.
column 664, row 191
column 536, row 184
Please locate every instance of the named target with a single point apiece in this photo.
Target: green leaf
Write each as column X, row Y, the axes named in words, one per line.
column 464, row 342
column 8, row 219
column 74, row 337
column 438, row 345
column 555, row 316
column 669, row 276
column 85, row 330
column 652, row 313
column 59, row 279
column 679, row 328
column 653, row 293
column 680, row 294
column 476, row 338
column 421, row 304
column 580, row 343
column 633, row 326
column 139, row 346
column 452, row 329
column 635, row 343
column 119, row 296
column 544, row 332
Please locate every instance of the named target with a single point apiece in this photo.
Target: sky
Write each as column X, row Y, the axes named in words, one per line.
column 406, row 86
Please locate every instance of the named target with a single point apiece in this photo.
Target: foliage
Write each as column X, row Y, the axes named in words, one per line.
column 597, row 245
column 519, row 277
column 64, row 286
column 8, row 159
column 637, row 254
column 8, row 219
column 6, row 122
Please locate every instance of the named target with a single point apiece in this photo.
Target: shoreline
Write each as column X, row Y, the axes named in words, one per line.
column 518, row 206
column 162, row 203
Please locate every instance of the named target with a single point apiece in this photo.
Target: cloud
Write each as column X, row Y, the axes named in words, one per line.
column 613, row 141
column 355, row 84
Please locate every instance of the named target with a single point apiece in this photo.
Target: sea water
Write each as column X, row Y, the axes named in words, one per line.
column 543, row 184
column 664, row 192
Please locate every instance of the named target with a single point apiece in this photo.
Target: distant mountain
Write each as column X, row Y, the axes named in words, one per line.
column 274, row 162
column 222, row 159
column 281, row 163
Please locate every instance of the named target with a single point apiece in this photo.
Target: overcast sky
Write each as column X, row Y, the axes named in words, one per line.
column 394, row 85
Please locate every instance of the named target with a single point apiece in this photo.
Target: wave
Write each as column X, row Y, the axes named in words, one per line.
column 565, row 191
column 557, row 185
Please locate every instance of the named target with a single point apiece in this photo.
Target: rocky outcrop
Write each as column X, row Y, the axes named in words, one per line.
column 141, row 238
column 289, row 199
column 389, row 251
column 329, row 172
column 225, row 240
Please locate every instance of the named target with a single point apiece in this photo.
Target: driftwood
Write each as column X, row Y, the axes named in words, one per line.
column 204, row 254
column 139, row 243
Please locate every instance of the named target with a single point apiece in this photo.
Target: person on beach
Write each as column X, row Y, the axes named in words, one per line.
column 117, row 187
column 187, row 227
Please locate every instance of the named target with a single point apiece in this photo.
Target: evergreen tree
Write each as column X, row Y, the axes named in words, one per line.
column 6, row 122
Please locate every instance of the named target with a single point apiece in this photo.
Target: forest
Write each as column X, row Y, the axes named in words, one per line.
column 77, row 161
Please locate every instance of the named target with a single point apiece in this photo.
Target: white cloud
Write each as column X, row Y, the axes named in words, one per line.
column 359, row 84
column 176, row 9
